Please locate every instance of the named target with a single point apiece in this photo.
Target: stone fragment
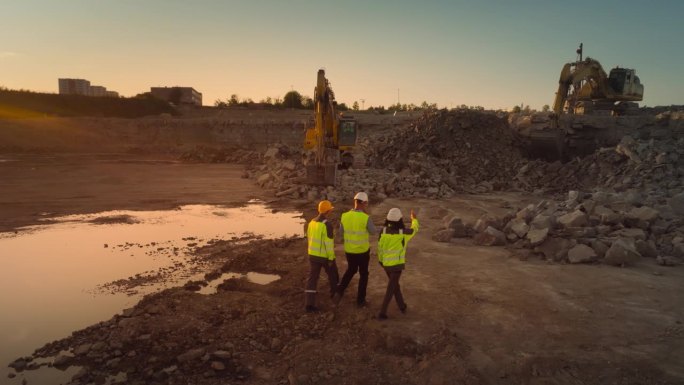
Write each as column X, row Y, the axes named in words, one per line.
column 667, row 261
column 190, row 355
column 576, row 218
column 677, row 204
column 443, row 235
column 622, row 252
column 456, row 224
column 632, row 233
column 490, row 237
column 599, row 247
column 555, row 249
column 643, row 213
column 537, row 236
column 581, row 254
column 542, row 221
column 517, row 226
column 646, row 248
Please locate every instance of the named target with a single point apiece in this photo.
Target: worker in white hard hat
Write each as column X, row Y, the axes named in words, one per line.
column 392, row 245
column 321, row 254
column 356, row 227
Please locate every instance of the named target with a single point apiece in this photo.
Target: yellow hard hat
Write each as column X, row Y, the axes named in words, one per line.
column 325, row 206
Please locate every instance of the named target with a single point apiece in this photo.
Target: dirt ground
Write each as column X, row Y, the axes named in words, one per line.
column 476, row 315
column 40, row 186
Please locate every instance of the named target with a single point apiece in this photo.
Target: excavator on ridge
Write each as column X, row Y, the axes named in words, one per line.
column 584, row 88
column 587, row 104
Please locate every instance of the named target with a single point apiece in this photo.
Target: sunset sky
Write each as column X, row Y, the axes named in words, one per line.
column 493, row 53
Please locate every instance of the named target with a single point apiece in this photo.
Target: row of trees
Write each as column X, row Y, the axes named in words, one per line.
column 526, row 109
column 294, row 99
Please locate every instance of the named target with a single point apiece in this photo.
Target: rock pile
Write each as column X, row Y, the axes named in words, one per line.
column 611, row 228
column 462, row 150
column 654, row 165
column 442, row 153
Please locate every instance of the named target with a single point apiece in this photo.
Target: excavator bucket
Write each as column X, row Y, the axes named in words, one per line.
column 321, row 175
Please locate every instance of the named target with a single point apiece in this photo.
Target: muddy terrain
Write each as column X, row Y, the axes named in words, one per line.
column 479, row 312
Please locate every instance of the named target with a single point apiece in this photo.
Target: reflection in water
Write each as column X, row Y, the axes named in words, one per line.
column 49, row 273
column 258, row 278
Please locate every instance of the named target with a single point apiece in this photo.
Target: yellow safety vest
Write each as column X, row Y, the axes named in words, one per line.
column 392, row 247
column 355, row 224
column 319, row 243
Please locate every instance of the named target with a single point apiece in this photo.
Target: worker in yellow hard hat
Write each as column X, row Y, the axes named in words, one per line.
column 321, row 254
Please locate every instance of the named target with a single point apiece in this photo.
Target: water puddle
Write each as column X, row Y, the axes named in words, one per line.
column 258, row 278
column 62, row 276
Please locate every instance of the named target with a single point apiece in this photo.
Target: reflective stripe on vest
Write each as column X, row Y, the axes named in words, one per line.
column 355, row 224
column 391, row 252
column 319, row 243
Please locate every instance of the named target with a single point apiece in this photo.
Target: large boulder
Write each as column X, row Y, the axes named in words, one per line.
column 264, row 178
column 643, row 213
column 632, row 233
column 517, row 226
column 677, row 204
column 490, row 237
column 646, row 248
column 606, row 215
column 599, row 247
column 456, row 224
column 487, row 221
column 526, row 214
column 555, row 249
column 622, row 252
column 443, row 235
column 581, row 254
column 542, row 221
column 537, row 236
column 576, row 218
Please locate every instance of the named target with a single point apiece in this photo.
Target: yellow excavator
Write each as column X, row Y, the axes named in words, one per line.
column 587, row 104
column 584, row 88
column 330, row 139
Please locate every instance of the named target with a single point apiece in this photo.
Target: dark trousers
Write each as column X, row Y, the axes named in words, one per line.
column 356, row 262
column 315, row 266
column 393, row 290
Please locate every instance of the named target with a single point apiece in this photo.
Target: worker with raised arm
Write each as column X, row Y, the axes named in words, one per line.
column 392, row 256
column 321, row 254
column 356, row 227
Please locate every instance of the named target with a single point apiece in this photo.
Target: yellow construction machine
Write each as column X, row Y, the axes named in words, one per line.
column 330, row 139
column 587, row 105
column 584, row 88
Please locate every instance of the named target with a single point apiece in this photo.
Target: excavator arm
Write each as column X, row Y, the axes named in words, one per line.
column 588, row 81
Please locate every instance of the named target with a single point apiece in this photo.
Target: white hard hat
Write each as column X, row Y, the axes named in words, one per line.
column 394, row 215
column 361, row 196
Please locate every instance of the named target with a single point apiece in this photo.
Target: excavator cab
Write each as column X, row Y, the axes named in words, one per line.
column 626, row 84
column 347, row 132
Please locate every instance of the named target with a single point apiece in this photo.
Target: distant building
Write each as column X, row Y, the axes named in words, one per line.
column 83, row 87
column 74, row 87
column 97, row 91
column 177, row 95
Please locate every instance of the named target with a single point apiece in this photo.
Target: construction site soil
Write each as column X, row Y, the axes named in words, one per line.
column 477, row 313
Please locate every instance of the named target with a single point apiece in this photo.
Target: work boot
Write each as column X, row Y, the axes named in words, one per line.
column 403, row 308
column 312, row 309
column 361, row 304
